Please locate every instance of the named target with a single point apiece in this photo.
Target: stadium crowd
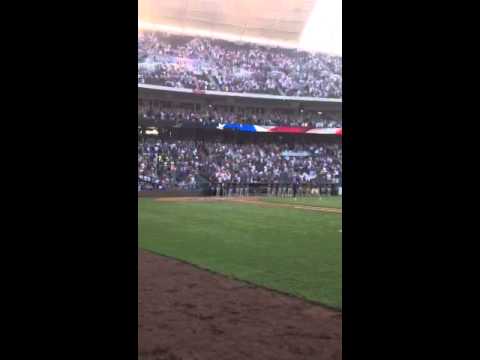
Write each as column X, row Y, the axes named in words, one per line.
column 211, row 117
column 180, row 164
column 213, row 64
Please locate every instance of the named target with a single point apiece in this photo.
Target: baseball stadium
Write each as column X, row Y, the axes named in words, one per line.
column 239, row 180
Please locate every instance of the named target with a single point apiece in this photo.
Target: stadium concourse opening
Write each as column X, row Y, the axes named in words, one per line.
column 240, row 198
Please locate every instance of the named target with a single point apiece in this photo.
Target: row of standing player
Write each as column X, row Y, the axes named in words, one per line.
column 283, row 190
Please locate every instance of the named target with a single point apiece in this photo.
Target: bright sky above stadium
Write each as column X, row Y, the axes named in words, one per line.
column 323, row 31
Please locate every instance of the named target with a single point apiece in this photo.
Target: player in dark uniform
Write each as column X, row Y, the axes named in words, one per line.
column 295, row 185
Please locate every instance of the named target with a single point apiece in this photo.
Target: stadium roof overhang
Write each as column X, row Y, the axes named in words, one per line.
column 277, row 20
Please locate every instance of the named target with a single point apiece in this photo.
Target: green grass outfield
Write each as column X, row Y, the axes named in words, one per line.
column 291, row 250
column 327, row 201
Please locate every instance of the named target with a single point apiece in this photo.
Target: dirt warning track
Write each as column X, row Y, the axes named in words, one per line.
column 186, row 313
column 249, row 200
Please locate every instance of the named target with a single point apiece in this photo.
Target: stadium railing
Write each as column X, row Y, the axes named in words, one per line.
column 236, row 94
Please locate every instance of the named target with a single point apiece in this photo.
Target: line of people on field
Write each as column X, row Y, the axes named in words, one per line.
column 276, row 189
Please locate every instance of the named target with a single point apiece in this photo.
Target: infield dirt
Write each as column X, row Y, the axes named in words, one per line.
column 186, row 313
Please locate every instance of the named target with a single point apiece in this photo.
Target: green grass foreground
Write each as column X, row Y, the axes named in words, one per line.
column 291, row 250
column 327, row 201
